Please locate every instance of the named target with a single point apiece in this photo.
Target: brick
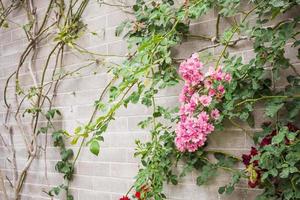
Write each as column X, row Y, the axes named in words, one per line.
column 123, row 170
column 93, row 168
column 227, row 139
column 118, row 48
column 92, row 195
column 125, row 140
column 115, row 18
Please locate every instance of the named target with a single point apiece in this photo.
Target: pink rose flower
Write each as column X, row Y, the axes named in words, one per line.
column 196, row 95
column 203, row 116
column 192, row 133
column 190, row 70
column 219, row 75
column 227, row 77
column 212, row 92
column 210, row 72
column 205, row 100
column 215, row 114
column 207, row 83
column 221, row 89
column 216, row 74
column 186, row 93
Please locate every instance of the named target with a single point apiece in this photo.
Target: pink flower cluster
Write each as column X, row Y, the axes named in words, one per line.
column 199, row 95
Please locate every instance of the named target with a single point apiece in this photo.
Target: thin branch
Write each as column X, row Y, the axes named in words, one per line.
column 114, row 5
column 201, row 37
column 266, row 97
column 231, row 36
column 218, row 27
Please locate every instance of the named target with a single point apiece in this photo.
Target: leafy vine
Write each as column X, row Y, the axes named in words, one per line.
column 158, row 27
column 62, row 23
column 229, row 92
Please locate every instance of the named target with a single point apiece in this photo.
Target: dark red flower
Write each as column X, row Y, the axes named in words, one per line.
column 246, row 159
column 254, row 178
column 265, row 141
column 287, row 141
column 252, row 184
column 274, row 132
column 138, row 195
column 124, row 198
column 255, row 162
column 292, row 127
column 253, row 151
column 268, row 139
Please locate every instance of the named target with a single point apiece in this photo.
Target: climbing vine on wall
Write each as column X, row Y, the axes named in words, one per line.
column 62, row 24
column 217, row 88
column 229, row 89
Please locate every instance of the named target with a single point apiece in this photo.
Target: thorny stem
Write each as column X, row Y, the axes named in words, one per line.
column 224, row 153
column 266, row 97
column 85, row 51
column 237, row 125
column 236, row 28
column 231, row 43
column 91, row 120
column 114, row 5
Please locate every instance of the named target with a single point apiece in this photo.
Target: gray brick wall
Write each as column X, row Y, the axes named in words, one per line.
column 110, row 175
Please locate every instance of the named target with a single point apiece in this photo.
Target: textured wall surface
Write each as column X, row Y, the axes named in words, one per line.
column 110, row 175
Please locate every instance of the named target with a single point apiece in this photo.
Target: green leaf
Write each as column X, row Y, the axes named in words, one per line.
column 54, row 191
column 225, row 160
column 285, row 173
column 67, row 154
column 95, row 147
column 222, row 189
column 75, row 140
column 251, row 120
column 121, row 27
column 70, row 197
column 207, row 172
column 113, row 93
column 273, row 108
column 51, row 113
column 77, row 130
column 229, row 189
column 279, row 137
column 43, row 130
column 100, row 105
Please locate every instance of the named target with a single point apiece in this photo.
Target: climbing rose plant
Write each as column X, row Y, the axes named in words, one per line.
column 274, row 163
column 226, row 89
column 201, row 93
column 216, row 89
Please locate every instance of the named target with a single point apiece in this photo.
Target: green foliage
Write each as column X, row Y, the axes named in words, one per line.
column 51, row 113
column 70, row 32
column 209, row 169
column 65, row 165
column 250, row 83
column 150, row 67
column 207, row 172
column 279, row 164
column 158, row 156
column 56, row 191
column 272, row 108
column 228, row 189
column 157, row 28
